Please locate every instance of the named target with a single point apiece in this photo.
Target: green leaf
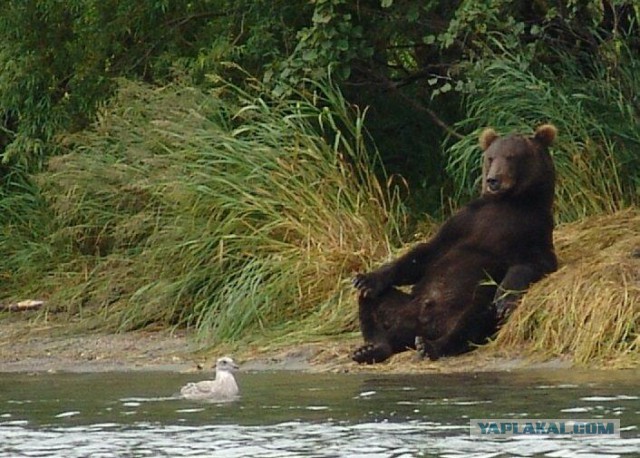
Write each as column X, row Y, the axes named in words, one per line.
column 322, row 17
column 429, row 39
column 309, row 55
column 342, row 44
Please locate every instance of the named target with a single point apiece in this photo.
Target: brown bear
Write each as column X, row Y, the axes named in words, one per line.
column 470, row 275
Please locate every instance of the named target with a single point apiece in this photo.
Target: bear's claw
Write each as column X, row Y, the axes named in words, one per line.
column 358, row 282
column 426, row 349
column 368, row 285
column 504, row 307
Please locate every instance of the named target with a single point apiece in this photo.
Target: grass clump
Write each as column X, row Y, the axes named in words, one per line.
column 589, row 309
column 223, row 210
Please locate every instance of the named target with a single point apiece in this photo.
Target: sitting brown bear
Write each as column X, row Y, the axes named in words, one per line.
column 471, row 274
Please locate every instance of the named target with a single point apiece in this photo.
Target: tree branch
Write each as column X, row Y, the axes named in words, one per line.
column 394, row 87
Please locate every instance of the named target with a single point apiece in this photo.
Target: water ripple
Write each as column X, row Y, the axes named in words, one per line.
column 288, row 439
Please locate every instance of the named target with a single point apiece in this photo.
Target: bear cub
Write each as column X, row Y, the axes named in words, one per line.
column 470, row 275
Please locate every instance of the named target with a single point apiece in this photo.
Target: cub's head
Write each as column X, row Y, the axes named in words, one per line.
column 518, row 165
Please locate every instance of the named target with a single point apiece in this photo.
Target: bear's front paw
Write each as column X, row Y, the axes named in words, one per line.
column 504, row 307
column 368, row 284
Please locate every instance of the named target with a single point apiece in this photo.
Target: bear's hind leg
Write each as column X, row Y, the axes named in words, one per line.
column 367, row 308
column 472, row 327
column 378, row 325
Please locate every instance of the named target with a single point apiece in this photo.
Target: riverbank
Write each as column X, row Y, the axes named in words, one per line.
column 30, row 346
column 587, row 312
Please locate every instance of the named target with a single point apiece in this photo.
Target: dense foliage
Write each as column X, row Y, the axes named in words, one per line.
column 428, row 70
column 75, row 192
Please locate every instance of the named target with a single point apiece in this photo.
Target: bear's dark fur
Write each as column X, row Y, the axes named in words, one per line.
column 471, row 274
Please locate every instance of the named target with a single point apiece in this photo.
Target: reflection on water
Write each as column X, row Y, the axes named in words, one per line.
column 321, row 415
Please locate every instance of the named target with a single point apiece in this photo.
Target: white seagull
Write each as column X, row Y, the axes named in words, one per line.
column 223, row 388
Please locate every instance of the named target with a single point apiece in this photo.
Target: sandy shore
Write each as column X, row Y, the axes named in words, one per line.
column 31, row 347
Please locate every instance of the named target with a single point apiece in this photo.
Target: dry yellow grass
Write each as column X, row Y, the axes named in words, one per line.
column 589, row 310
column 585, row 314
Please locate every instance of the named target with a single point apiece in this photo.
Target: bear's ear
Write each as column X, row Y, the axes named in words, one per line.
column 487, row 137
column 546, row 134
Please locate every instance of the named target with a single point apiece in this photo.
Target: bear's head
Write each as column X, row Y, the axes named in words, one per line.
column 518, row 166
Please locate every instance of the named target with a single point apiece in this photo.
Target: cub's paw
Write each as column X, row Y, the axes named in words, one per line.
column 371, row 354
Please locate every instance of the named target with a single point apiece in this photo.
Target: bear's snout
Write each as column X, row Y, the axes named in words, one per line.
column 493, row 184
column 498, row 181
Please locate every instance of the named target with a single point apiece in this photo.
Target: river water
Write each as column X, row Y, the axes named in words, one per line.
column 292, row 414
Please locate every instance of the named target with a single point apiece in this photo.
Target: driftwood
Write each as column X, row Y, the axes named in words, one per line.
column 21, row 306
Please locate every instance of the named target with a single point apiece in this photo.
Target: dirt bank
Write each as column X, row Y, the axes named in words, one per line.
column 35, row 347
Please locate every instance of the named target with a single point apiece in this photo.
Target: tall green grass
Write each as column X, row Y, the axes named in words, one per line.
column 594, row 106
column 25, row 225
column 225, row 210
